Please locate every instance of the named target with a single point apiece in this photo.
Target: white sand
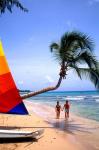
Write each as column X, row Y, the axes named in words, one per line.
column 75, row 134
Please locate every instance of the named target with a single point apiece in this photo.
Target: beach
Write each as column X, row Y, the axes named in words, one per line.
column 49, row 75
column 75, row 133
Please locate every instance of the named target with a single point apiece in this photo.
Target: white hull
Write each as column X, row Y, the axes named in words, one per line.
column 21, row 134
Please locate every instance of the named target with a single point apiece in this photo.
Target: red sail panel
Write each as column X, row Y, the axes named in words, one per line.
column 6, row 83
column 9, row 100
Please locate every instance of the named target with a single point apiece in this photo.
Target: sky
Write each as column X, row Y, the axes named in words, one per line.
column 26, row 38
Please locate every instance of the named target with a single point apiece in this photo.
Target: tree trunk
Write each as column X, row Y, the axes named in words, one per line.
column 43, row 90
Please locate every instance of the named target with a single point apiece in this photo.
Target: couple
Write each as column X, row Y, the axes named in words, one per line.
column 58, row 108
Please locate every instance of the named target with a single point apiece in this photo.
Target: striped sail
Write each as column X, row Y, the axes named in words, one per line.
column 10, row 100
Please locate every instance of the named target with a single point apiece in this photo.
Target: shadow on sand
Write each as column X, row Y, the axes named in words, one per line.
column 16, row 140
column 69, row 126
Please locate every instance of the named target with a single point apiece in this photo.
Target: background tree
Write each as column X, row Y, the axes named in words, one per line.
column 8, row 4
column 74, row 51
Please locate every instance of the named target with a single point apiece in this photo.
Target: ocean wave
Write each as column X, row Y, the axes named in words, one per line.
column 96, row 97
column 74, row 98
column 89, row 98
column 97, row 100
column 81, row 98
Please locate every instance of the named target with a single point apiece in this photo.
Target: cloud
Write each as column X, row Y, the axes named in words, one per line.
column 70, row 24
column 31, row 39
column 20, row 82
column 91, row 2
column 49, row 78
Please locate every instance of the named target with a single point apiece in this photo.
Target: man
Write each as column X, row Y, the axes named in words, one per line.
column 66, row 108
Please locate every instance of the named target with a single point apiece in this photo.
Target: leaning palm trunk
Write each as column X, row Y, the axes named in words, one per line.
column 43, row 90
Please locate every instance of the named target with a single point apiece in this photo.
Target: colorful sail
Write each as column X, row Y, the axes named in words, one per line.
column 10, row 100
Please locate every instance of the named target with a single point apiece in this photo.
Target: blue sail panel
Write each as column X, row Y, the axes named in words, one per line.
column 19, row 109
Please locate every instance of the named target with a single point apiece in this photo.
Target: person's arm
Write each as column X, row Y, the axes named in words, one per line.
column 55, row 108
column 69, row 105
column 60, row 108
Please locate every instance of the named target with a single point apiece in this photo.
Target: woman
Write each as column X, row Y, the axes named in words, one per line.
column 57, row 109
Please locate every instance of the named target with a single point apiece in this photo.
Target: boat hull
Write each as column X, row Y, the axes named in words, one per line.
column 21, row 134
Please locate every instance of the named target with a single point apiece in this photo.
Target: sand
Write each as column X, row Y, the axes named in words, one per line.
column 74, row 134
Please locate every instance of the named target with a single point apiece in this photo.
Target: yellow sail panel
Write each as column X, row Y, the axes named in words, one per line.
column 1, row 49
column 3, row 66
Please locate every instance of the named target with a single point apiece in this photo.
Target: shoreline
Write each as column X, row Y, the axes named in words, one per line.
column 52, row 109
column 85, row 130
column 77, row 134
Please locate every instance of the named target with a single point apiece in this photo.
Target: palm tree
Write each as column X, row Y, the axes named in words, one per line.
column 74, row 50
column 8, row 4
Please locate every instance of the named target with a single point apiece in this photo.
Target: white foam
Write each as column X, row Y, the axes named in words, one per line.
column 97, row 96
column 97, row 100
column 74, row 97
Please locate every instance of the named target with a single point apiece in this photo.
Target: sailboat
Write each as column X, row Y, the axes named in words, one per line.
column 10, row 100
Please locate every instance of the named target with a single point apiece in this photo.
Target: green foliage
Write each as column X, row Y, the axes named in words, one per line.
column 8, row 4
column 74, row 50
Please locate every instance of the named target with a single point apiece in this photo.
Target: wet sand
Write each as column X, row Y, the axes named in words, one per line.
column 75, row 133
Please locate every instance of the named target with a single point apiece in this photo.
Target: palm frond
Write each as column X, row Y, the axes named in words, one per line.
column 8, row 4
column 90, row 74
column 76, row 69
column 54, row 46
column 74, row 40
column 86, row 58
column 73, row 43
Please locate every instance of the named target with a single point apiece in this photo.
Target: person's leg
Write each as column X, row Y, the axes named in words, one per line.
column 58, row 114
column 68, row 113
column 65, row 114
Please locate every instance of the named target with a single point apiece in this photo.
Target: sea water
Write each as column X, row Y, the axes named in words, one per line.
column 82, row 103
